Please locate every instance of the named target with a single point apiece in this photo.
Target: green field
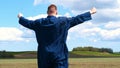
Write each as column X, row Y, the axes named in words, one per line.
column 73, row 63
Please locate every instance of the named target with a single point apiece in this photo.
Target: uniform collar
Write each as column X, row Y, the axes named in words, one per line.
column 51, row 16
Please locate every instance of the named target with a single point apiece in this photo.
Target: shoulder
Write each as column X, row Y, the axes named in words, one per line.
column 40, row 19
column 62, row 18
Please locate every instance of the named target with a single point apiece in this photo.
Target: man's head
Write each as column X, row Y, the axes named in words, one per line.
column 52, row 10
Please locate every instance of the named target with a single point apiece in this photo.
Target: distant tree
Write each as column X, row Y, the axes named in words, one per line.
column 93, row 49
column 4, row 54
column 106, row 50
column 78, row 49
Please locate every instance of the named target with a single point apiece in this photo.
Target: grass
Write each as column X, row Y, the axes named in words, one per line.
column 90, row 53
column 73, row 63
column 18, row 63
column 94, row 63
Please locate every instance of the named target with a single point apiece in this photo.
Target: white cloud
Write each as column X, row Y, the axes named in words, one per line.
column 14, row 34
column 112, row 25
column 110, row 34
column 107, row 15
column 67, row 14
column 104, row 1
column 81, row 4
column 37, row 17
column 95, row 32
column 103, row 15
column 36, row 2
column 118, row 3
column 10, row 34
column 107, row 10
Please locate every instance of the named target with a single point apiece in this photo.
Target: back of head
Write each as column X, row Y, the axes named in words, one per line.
column 52, row 9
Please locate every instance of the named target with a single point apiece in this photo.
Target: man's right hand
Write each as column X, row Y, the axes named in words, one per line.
column 93, row 10
column 20, row 15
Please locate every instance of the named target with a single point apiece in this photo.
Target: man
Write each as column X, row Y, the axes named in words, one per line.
column 51, row 34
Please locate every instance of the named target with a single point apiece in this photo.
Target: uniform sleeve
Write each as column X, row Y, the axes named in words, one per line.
column 79, row 19
column 27, row 23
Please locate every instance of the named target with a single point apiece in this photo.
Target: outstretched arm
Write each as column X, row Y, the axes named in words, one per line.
column 25, row 22
column 81, row 18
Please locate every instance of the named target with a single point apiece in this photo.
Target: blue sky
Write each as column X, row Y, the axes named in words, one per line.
column 102, row 31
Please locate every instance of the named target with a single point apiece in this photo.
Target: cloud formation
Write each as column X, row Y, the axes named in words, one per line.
column 37, row 17
column 107, row 10
column 90, row 30
column 7, row 34
column 112, row 25
column 14, row 34
column 81, row 4
column 36, row 2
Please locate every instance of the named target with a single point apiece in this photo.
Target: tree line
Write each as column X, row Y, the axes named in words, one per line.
column 108, row 50
column 4, row 54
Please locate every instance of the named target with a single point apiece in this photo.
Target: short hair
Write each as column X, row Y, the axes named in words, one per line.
column 52, row 5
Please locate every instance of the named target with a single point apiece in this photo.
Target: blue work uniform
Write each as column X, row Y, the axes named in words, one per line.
column 51, row 34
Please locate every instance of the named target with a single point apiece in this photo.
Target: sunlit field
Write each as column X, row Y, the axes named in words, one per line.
column 73, row 63
column 94, row 63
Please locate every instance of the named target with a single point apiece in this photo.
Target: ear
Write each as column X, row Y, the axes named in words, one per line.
column 56, row 13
